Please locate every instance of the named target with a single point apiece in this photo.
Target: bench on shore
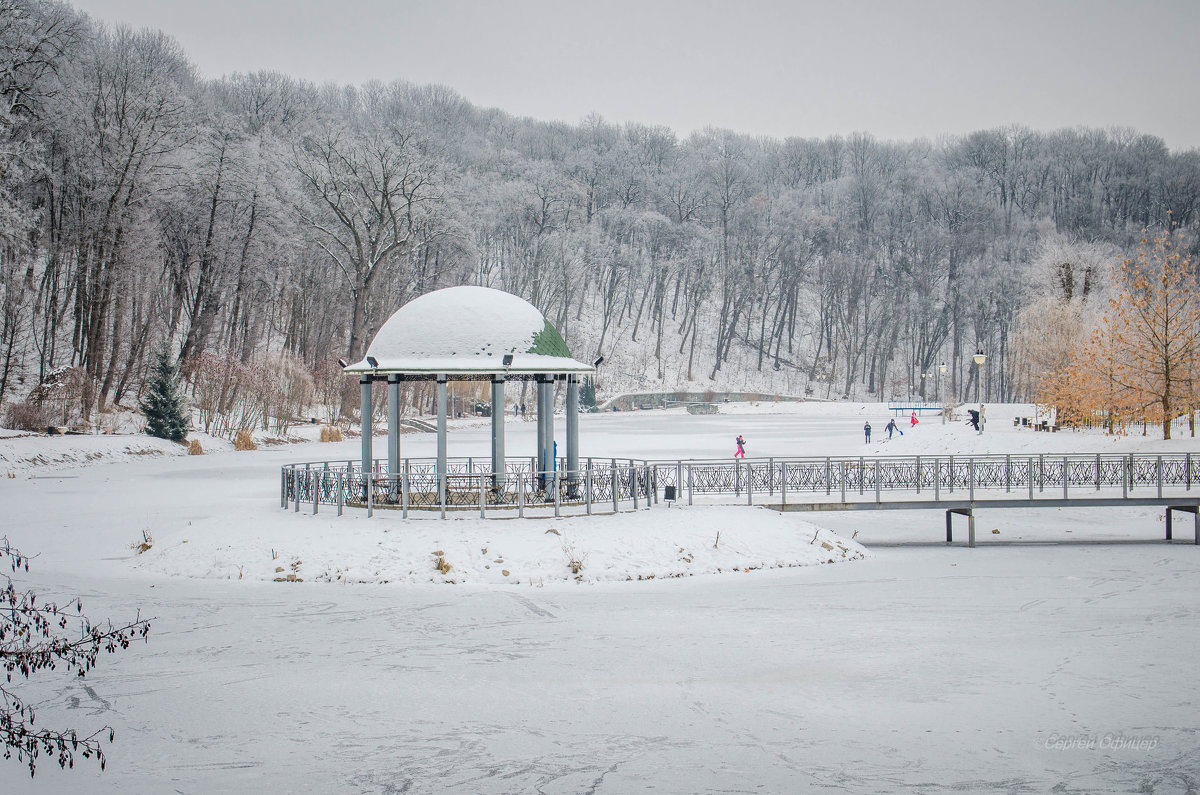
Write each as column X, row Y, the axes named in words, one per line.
column 901, row 407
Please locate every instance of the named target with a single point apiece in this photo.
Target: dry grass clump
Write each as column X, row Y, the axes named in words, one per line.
column 331, row 433
column 194, row 447
column 243, row 441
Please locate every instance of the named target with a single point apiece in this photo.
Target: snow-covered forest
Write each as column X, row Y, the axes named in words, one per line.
column 259, row 227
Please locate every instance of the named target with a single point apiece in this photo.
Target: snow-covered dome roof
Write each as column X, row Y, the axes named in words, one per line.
column 468, row 331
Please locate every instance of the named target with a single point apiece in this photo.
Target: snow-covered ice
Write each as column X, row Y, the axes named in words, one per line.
column 1057, row 655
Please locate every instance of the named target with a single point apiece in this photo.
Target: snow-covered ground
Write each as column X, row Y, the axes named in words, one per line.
column 1056, row 655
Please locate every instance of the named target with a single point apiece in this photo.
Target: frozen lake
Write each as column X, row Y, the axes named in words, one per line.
column 1058, row 655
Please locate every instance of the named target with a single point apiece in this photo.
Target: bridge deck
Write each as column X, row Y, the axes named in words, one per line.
column 968, row 507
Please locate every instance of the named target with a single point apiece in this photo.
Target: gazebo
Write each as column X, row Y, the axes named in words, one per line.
column 472, row 333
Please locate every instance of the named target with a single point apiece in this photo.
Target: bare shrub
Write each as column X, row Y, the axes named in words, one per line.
column 27, row 416
column 575, row 559
column 194, row 447
column 331, row 433
column 218, row 385
column 62, row 395
column 244, row 441
column 328, row 381
column 288, row 391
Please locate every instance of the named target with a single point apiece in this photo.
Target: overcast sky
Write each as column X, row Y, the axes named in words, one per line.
column 899, row 69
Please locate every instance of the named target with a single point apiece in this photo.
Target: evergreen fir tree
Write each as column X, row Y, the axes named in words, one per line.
column 587, row 394
column 163, row 406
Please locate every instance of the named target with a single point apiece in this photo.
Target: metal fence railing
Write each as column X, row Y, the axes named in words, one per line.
column 609, row 486
column 620, row 484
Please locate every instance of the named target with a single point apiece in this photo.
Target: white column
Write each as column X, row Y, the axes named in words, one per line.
column 364, row 382
column 497, row 430
column 441, row 430
column 572, row 473
column 393, row 431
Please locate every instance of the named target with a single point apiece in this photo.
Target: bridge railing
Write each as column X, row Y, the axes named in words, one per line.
column 849, row 477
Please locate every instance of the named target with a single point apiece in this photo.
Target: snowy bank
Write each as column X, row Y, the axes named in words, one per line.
column 643, row 545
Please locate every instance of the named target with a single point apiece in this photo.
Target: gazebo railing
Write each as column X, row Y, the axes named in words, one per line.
column 598, row 486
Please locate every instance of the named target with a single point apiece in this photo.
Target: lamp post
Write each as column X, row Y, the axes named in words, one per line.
column 941, row 371
column 980, row 358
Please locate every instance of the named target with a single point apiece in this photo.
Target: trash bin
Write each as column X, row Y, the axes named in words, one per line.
column 669, row 493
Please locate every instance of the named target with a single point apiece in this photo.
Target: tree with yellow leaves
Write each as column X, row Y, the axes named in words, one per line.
column 1143, row 360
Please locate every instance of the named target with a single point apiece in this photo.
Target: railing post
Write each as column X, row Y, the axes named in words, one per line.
column 587, row 487
column 1098, row 470
column 937, row 479
column 633, row 485
column 749, row 484
column 783, row 484
column 521, row 494
column 1066, row 477
column 405, row 482
column 652, row 481
column 877, row 483
column 1030, row 477
column 557, row 493
column 296, row 493
column 862, row 475
column 1158, row 475
column 828, row 477
column 316, row 490
column 614, row 485
column 918, row 474
column 1187, row 465
column 1007, row 473
column 771, row 477
column 971, row 478
column 842, row 464
column 370, row 494
column 1124, row 477
column 283, row 487
column 737, row 478
column 691, row 477
column 341, row 491
column 443, row 482
column 1041, row 473
column 950, row 472
column 678, row 479
column 482, row 499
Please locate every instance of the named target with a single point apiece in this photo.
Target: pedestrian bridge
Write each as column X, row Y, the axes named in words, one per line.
column 959, row 485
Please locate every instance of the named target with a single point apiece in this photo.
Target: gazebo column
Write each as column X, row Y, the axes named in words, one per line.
column 441, row 432
column 497, row 431
column 364, row 383
column 572, row 473
column 393, row 434
column 545, row 406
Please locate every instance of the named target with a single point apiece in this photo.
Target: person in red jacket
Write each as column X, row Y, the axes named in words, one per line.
column 912, row 421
